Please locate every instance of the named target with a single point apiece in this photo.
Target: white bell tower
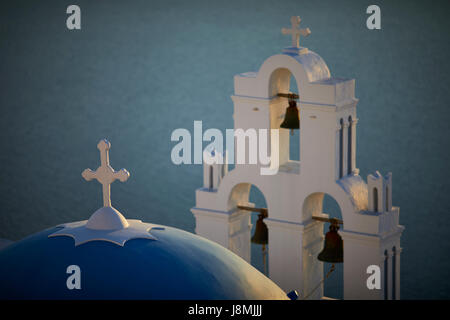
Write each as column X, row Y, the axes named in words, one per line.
column 295, row 194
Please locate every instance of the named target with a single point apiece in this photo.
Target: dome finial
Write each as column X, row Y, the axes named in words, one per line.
column 296, row 32
column 105, row 174
column 106, row 224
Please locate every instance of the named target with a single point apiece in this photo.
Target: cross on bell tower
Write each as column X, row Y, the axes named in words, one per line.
column 296, row 32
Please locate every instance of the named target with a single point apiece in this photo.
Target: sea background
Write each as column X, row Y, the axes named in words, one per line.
column 139, row 69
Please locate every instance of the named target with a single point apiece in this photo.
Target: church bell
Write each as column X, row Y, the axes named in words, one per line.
column 261, row 233
column 292, row 118
column 333, row 249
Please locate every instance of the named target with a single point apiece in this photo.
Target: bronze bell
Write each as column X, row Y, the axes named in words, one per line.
column 261, row 233
column 291, row 119
column 333, row 249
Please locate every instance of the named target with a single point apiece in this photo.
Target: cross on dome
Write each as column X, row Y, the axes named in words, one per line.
column 296, row 32
column 105, row 174
column 106, row 224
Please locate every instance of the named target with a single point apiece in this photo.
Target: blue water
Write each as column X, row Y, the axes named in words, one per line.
column 139, row 69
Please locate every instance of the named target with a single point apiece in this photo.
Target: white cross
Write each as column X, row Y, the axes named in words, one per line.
column 105, row 174
column 296, row 32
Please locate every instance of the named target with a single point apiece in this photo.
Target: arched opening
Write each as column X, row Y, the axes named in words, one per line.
column 375, row 199
column 259, row 255
column 283, row 81
column 387, row 199
column 386, row 271
column 247, row 194
column 294, row 136
column 394, row 273
column 211, row 177
column 341, row 149
column 349, row 146
column 334, row 285
column 318, row 204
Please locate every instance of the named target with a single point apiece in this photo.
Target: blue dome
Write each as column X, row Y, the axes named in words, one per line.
column 178, row 265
